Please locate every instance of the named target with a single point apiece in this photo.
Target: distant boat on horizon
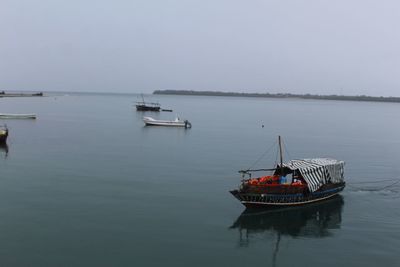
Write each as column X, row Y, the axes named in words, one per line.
column 4, row 94
column 147, row 106
column 17, row 116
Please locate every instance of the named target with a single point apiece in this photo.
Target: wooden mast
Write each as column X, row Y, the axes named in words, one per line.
column 281, row 154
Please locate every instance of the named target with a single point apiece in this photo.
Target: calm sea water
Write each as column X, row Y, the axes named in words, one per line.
column 86, row 184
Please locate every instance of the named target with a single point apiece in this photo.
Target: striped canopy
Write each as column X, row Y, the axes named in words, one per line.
column 319, row 171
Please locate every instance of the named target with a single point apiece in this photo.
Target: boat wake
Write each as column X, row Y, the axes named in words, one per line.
column 386, row 186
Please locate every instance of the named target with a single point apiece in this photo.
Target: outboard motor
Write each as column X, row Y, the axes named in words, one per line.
column 188, row 124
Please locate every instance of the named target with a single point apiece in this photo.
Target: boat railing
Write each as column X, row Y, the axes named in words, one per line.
column 147, row 103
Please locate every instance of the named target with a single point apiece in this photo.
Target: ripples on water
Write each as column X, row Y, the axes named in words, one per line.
column 86, row 184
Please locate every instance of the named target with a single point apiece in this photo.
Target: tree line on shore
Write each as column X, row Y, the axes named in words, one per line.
column 279, row 95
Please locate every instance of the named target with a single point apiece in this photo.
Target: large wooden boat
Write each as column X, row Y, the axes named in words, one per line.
column 296, row 182
column 3, row 134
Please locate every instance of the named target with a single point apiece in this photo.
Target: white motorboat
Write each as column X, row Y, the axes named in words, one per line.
column 176, row 123
column 17, row 116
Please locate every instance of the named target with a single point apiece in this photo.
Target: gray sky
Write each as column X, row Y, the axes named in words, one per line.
column 304, row 46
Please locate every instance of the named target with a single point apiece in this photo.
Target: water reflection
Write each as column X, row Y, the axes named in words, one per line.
column 4, row 149
column 313, row 221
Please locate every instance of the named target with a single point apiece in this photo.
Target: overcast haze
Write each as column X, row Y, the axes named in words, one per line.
column 324, row 47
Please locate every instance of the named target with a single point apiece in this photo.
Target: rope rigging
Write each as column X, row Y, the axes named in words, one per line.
column 273, row 146
column 262, row 156
column 286, row 150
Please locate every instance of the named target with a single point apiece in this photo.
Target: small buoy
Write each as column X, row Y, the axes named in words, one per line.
column 262, row 126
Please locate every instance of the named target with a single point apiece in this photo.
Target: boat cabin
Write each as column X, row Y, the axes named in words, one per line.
column 305, row 173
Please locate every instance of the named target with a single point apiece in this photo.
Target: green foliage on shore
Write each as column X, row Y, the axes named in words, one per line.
column 279, row 95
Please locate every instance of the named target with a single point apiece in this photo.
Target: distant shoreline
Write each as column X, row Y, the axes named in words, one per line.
column 280, row 95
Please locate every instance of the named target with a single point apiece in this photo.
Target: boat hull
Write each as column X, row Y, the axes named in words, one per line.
column 165, row 124
column 147, row 108
column 17, row 116
column 4, row 94
column 251, row 200
column 3, row 138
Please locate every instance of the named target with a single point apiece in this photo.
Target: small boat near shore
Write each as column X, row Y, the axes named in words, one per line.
column 296, row 182
column 3, row 134
column 174, row 123
column 147, row 106
column 4, row 94
column 17, row 116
